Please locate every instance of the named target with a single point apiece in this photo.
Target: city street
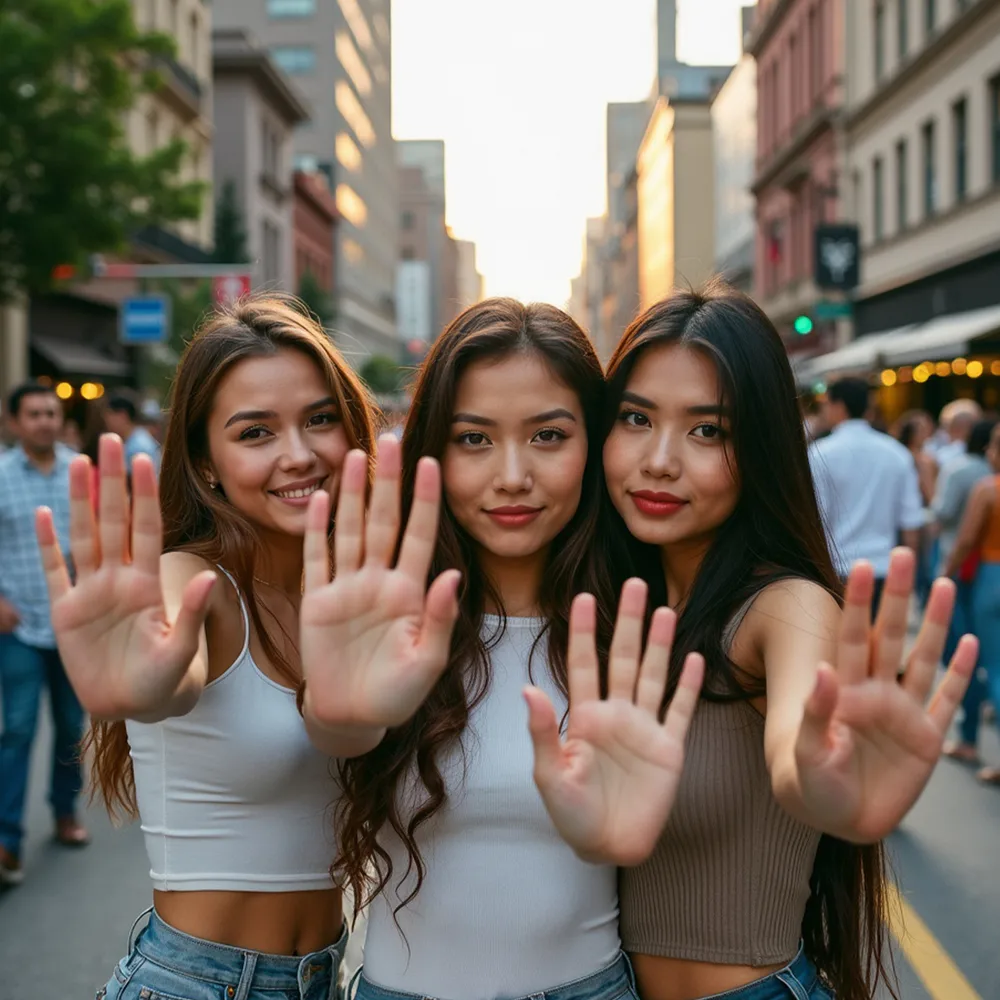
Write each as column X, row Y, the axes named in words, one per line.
column 61, row 932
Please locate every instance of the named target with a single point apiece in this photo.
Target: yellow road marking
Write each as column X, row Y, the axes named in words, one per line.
column 932, row 964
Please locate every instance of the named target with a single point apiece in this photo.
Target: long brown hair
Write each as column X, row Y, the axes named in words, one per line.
column 373, row 784
column 200, row 520
column 775, row 531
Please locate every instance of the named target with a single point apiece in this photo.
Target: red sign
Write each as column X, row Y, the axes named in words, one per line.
column 227, row 288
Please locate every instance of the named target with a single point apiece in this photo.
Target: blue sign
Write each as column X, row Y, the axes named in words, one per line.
column 144, row 320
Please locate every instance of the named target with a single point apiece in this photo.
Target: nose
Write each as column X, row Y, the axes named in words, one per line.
column 514, row 474
column 663, row 458
column 297, row 453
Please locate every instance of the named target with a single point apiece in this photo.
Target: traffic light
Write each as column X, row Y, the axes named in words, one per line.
column 803, row 325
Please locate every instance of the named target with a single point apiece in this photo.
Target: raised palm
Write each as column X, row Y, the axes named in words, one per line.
column 121, row 653
column 610, row 785
column 375, row 640
column 868, row 743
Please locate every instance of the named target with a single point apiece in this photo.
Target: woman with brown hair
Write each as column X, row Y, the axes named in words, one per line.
column 479, row 887
column 182, row 643
column 804, row 751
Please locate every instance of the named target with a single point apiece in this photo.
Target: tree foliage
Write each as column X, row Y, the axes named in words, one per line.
column 316, row 298
column 230, row 234
column 70, row 185
column 383, row 375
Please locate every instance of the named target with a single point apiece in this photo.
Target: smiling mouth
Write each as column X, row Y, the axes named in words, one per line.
column 299, row 493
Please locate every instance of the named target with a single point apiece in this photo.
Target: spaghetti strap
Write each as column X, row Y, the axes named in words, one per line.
column 243, row 607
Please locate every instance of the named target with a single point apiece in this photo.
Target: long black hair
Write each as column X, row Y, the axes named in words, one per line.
column 775, row 531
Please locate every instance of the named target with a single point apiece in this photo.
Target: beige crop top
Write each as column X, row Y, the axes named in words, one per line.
column 729, row 879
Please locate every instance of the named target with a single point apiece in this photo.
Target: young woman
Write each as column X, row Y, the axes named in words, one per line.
column 804, row 750
column 475, row 892
column 181, row 642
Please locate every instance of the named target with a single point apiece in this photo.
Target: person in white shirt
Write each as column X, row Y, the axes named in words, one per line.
column 866, row 483
column 956, row 420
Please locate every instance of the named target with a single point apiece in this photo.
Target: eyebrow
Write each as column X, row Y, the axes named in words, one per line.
column 704, row 410
column 244, row 415
column 539, row 418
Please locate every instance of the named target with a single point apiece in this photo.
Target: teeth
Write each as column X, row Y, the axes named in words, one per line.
column 297, row 494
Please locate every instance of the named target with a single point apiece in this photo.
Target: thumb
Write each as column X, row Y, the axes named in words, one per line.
column 544, row 737
column 194, row 609
column 440, row 614
column 812, row 743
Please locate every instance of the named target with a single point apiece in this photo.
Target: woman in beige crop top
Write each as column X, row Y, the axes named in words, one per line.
column 794, row 769
column 234, row 797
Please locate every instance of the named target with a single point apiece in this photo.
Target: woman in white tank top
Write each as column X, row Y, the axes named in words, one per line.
column 191, row 679
column 479, row 887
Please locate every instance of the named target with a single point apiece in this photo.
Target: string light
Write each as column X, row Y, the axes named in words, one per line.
column 888, row 377
column 64, row 390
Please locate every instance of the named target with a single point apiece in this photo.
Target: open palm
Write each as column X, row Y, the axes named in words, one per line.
column 121, row 654
column 375, row 640
column 868, row 743
column 610, row 785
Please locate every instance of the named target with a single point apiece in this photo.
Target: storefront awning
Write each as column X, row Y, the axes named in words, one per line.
column 858, row 357
column 75, row 358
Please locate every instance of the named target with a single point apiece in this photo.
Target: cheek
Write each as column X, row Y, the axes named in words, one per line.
column 617, row 461
column 462, row 480
column 716, row 478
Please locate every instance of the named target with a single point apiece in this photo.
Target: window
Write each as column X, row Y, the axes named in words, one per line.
column 351, row 206
column 356, row 22
column 902, row 186
column 995, row 126
column 407, row 254
column 271, row 251
column 348, row 57
column 194, row 52
column 350, row 107
column 928, row 141
column 815, row 57
column 406, row 220
column 960, row 129
column 879, row 39
column 930, row 17
column 271, row 151
column 878, row 199
column 295, row 59
column 795, row 91
column 903, row 27
column 291, row 8
column 175, row 18
column 353, row 251
column 348, row 154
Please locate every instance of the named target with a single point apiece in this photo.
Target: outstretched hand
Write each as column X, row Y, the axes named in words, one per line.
column 610, row 785
column 868, row 743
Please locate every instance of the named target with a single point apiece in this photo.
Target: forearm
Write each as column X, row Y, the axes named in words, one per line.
column 339, row 740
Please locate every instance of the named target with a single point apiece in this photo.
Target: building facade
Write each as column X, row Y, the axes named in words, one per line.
column 468, row 280
column 256, row 112
column 798, row 184
column 313, row 230
column 675, row 79
column 337, row 54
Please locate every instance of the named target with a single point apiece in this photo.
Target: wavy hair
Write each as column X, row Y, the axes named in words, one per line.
column 201, row 520
column 775, row 531
column 373, row 785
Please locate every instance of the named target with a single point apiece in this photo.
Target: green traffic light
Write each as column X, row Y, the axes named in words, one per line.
column 803, row 325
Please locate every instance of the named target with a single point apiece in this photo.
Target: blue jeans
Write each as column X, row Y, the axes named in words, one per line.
column 24, row 671
column 975, row 693
column 168, row 965
column 796, row 981
column 986, row 625
column 616, row 982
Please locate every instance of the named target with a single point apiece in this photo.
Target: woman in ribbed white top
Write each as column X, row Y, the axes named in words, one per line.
column 477, row 891
column 204, row 665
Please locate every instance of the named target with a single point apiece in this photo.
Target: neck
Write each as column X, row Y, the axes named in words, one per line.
column 681, row 562
column 43, row 457
column 280, row 564
column 518, row 582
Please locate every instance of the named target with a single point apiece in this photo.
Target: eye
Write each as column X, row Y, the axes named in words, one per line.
column 474, row 439
column 549, row 435
column 711, row 432
column 323, row 419
column 254, row 433
column 633, row 418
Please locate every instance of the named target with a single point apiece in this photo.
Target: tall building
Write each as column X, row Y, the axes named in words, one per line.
column 338, row 56
column 674, row 78
column 469, row 282
column 417, row 279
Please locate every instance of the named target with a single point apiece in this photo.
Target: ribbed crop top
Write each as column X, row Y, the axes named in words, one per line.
column 729, row 879
column 233, row 796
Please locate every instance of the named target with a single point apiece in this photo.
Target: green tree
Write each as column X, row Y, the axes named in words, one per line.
column 230, row 236
column 70, row 185
column 383, row 375
column 316, row 298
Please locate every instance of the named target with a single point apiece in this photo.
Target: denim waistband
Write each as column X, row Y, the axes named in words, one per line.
column 598, row 985
column 223, row 964
column 798, row 979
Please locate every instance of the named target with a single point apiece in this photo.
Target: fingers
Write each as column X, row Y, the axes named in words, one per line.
column 191, row 617
column 147, row 527
column 685, row 699
column 582, row 665
column 316, row 542
column 83, row 543
column 56, row 575
column 544, row 731
column 951, row 690
column 383, row 517
column 421, row 529
column 813, row 739
column 854, row 645
column 927, row 651
column 652, row 682
column 113, row 519
column 626, row 645
column 893, row 614
column 349, row 524
column 440, row 615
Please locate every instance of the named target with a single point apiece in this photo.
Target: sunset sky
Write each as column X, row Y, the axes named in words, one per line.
column 517, row 89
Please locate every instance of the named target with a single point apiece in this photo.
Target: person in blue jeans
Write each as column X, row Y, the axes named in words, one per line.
column 34, row 473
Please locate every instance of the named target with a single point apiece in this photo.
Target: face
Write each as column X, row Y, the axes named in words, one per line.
column 117, row 422
column 38, row 422
column 275, row 437
column 667, row 462
column 513, row 468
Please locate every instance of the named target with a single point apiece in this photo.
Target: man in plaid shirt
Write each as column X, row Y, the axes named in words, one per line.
column 34, row 474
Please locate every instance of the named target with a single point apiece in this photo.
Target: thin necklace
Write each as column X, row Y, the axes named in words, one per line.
column 274, row 586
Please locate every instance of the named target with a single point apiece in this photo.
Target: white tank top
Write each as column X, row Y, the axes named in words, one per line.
column 506, row 907
column 233, row 796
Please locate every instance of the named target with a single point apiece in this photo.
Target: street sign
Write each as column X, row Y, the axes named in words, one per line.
column 228, row 288
column 838, row 250
column 833, row 310
column 144, row 320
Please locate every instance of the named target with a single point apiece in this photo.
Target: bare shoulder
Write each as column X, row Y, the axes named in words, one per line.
column 793, row 605
column 178, row 569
